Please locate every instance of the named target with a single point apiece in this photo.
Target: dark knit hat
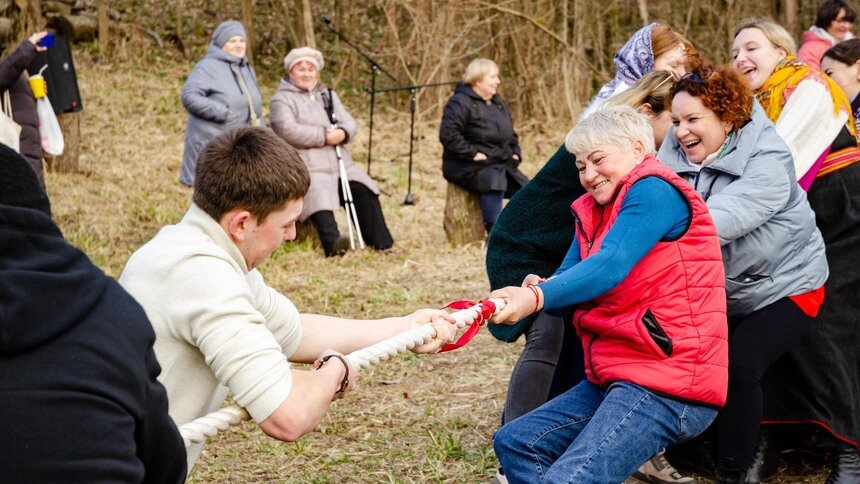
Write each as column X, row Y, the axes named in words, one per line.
column 19, row 185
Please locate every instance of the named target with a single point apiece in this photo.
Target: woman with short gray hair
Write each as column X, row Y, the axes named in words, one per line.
column 655, row 360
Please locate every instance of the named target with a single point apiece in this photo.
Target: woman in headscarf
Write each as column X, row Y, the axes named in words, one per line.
column 221, row 92
column 654, row 47
column 813, row 116
column 301, row 111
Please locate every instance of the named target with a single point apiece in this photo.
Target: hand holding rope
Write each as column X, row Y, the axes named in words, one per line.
column 470, row 314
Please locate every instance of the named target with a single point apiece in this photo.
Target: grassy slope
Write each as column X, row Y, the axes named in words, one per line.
column 415, row 418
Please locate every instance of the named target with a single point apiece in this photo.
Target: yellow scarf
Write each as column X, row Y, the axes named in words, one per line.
column 787, row 74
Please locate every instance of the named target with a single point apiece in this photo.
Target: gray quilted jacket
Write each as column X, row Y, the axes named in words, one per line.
column 770, row 243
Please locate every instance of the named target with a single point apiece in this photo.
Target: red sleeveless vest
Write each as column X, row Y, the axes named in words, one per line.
column 664, row 326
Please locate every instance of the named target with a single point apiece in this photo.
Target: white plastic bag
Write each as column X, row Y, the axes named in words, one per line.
column 49, row 129
column 10, row 131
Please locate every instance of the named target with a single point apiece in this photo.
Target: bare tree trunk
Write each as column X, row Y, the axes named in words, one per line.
column 70, row 125
column 103, row 22
column 790, row 22
column 294, row 38
column 463, row 221
column 643, row 11
column 178, row 13
column 566, row 67
column 308, row 22
column 248, row 21
column 31, row 18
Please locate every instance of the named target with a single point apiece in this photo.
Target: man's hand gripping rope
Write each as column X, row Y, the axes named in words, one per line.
column 469, row 314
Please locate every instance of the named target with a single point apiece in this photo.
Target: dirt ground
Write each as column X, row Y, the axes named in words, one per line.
column 413, row 418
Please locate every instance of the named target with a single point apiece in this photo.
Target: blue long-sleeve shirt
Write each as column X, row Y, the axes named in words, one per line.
column 653, row 210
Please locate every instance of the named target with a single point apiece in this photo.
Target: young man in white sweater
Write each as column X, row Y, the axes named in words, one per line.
column 218, row 326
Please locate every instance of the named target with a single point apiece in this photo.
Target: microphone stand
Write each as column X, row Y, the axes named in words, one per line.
column 375, row 68
column 410, row 200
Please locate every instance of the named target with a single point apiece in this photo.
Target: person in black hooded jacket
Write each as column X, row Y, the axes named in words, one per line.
column 13, row 79
column 480, row 149
column 79, row 399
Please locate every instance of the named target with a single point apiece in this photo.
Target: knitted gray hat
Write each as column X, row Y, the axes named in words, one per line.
column 226, row 30
column 19, row 185
column 300, row 54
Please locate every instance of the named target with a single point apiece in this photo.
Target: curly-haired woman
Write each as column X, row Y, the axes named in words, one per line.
column 654, row 47
column 724, row 145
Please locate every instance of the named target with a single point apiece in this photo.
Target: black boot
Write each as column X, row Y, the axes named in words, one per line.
column 766, row 461
column 844, row 465
column 726, row 474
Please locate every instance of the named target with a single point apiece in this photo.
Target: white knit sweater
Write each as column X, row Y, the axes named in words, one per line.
column 217, row 325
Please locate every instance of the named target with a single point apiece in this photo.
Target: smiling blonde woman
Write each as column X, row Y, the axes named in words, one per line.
column 480, row 149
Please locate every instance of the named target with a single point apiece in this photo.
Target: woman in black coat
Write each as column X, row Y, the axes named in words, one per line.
column 12, row 77
column 481, row 151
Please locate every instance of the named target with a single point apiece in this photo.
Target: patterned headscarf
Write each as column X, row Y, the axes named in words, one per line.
column 632, row 61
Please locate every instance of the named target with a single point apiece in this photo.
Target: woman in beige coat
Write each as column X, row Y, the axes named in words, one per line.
column 298, row 114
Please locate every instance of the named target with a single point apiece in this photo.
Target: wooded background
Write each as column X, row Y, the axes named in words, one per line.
column 554, row 55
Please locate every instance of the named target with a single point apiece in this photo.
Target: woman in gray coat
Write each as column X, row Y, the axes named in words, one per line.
column 299, row 115
column 726, row 147
column 221, row 92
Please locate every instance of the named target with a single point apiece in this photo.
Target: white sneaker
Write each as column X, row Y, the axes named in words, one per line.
column 500, row 478
column 658, row 470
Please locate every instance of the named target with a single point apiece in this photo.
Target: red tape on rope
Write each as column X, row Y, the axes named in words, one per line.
column 487, row 310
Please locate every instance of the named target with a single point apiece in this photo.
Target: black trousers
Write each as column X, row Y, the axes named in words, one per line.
column 756, row 341
column 373, row 227
column 551, row 363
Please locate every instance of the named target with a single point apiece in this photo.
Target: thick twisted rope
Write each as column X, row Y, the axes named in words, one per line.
column 207, row 426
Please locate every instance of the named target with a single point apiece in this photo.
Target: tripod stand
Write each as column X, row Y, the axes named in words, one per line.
column 410, row 199
column 375, row 68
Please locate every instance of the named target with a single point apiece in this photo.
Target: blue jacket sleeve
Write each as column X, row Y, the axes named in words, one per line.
column 652, row 211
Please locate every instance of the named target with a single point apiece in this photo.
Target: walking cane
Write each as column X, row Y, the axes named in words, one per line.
column 351, row 214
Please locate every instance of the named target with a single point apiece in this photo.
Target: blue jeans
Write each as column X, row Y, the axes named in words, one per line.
column 587, row 435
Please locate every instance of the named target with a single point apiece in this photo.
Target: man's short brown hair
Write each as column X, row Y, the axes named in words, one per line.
column 249, row 168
